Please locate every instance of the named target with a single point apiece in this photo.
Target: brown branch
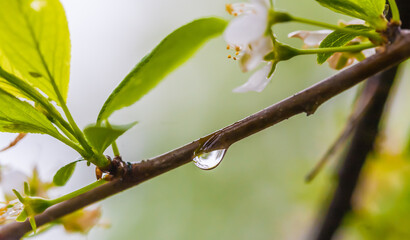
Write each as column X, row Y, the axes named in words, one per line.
column 360, row 147
column 306, row 101
column 362, row 104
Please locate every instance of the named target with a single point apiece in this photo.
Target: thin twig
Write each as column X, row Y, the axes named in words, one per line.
column 306, row 101
column 361, row 107
column 360, row 147
column 14, row 142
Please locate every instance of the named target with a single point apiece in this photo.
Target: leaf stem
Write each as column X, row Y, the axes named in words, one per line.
column 114, row 143
column 394, row 11
column 78, row 133
column 72, row 144
column 97, row 159
column 78, row 192
column 351, row 48
column 370, row 35
column 65, row 131
column 36, row 97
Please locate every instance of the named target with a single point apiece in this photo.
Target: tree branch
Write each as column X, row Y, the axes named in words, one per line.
column 360, row 147
column 306, row 101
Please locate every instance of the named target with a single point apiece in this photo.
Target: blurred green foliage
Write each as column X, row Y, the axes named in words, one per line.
column 382, row 200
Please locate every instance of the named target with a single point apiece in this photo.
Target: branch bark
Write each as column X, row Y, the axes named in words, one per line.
column 306, row 101
column 361, row 145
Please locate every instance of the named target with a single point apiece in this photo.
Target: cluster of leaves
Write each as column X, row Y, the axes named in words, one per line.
column 35, row 66
column 369, row 10
column 34, row 78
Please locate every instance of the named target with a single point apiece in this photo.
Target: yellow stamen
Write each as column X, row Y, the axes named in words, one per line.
column 229, row 56
column 234, row 58
column 237, row 48
column 229, row 8
column 237, row 53
column 228, row 47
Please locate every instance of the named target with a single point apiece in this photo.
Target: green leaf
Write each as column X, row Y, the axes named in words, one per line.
column 19, row 116
column 16, row 86
column 369, row 10
column 35, row 45
column 100, row 137
column 64, row 174
column 338, row 39
column 33, row 224
column 22, row 217
column 173, row 51
column 25, row 90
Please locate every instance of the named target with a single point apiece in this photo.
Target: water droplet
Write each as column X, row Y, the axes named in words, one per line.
column 209, row 160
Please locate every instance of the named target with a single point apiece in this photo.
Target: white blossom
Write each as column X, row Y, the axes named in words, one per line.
column 246, row 34
column 258, row 81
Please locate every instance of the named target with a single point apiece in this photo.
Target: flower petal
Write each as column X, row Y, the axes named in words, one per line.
column 310, row 38
column 351, row 22
column 340, row 60
column 12, row 179
column 247, row 27
column 258, row 81
column 255, row 53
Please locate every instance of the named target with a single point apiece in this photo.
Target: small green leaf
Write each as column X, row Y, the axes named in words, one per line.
column 338, row 39
column 35, row 44
column 26, row 189
column 64, row 174
column 19, row 196
column 173, row 51
column 100, row 137
column 369, row 10
column 22, row 217
column 19, row 116
column 33, row 224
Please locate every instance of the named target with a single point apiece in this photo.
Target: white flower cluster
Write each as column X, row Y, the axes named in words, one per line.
column 246, row 34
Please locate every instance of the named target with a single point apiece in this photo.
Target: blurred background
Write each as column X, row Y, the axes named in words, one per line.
column 258, row 191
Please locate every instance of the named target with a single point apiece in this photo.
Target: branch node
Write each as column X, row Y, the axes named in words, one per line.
column 311, row 108
column 118, row 169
